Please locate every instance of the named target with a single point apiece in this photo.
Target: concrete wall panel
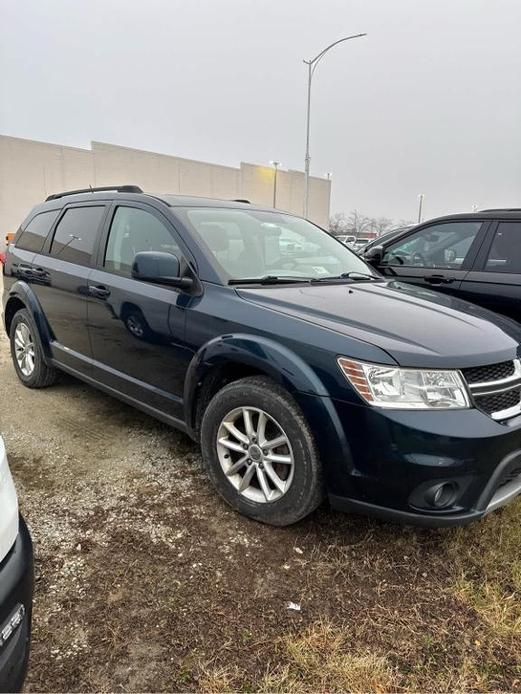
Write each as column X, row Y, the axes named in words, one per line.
column 31, row 170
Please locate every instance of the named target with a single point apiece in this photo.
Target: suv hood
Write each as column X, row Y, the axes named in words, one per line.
column 415, row 326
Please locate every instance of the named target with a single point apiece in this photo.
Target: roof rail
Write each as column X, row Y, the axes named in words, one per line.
column 248, row 202
column 119, row 189
column 502, row 209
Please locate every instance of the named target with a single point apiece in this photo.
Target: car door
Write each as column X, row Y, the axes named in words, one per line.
column 137, row 329
column 437, row 255
column 59, row 278
column 495, row 280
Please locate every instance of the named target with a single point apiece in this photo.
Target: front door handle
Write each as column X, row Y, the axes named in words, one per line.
column 439, row 279
column 99, row 291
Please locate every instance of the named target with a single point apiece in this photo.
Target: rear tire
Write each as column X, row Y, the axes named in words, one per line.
column 27, row 352
column 282, row 483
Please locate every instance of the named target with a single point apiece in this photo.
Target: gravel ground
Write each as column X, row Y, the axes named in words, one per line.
column 146, row 581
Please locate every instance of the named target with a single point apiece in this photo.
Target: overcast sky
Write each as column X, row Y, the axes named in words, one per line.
column 429, row 102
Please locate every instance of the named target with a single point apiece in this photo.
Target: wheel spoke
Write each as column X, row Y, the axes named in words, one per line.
column 264, row 484
column 232, row 445
column 245, row 482
column 248, row 424
column 237, row 466
column 18, row 342
column 275, row 443
column 29, row 361
column 232, row 429
column 274, row 458
column 270, row 472
column 261, row 429
column 25, row 332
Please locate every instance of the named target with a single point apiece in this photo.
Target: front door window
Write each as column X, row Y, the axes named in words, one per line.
column 443, row 246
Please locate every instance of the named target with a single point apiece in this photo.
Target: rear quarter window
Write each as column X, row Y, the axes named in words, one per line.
column 35, row 233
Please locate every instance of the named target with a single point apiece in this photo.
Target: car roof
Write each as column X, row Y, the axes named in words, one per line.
column 508, row 212
column 131, row 192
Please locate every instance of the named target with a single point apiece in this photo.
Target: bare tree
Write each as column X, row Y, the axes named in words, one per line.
column 357, row 223
column 381, row 224
column 338, row 224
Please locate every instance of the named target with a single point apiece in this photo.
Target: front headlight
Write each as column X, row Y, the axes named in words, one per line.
column 410, row 389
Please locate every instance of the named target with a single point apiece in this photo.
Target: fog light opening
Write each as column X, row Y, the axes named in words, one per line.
column 442, row 495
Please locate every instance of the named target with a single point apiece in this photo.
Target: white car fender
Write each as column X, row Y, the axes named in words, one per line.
column 8, row 506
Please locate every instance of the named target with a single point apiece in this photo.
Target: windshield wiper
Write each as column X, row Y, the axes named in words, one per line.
column 269, row 279
column 353, row 275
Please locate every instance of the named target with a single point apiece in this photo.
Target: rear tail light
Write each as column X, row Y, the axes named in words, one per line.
column 2, row 258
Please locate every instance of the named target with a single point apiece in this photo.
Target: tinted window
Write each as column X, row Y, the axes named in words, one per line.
column 436, row 246
column 35, row 233
column 76, row 234
column 134, row 230
column 505, row 253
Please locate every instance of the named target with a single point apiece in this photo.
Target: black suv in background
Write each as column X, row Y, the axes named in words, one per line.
column 300, row 370
column 476, row 257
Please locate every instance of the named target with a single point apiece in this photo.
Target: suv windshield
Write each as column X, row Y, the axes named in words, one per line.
column 251, row 244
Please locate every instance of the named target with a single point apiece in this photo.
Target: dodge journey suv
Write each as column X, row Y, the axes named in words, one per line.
column 300, row 370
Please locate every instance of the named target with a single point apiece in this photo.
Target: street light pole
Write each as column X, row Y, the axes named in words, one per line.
column 420, row 206
column 312, row 64
column 276, row 165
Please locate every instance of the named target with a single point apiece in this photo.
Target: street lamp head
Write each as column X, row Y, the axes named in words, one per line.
column 275, row 163
column 329, row 175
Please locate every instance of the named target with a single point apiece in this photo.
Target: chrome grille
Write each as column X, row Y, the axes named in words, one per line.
column 496, row 388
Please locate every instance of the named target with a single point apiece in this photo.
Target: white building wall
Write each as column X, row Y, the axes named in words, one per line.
column 31, row 170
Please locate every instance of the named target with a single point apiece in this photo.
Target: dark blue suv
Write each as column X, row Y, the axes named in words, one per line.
column 300, row 369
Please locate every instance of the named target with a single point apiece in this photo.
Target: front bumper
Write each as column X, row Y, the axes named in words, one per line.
column 396, row 458
column 16, row 594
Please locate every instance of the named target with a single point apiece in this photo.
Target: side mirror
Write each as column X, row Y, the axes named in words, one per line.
column 159, row 268
column 374, row 255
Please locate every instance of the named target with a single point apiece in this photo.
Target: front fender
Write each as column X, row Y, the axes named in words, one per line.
column 23, row 291
column 286, row 368
column 263, row 354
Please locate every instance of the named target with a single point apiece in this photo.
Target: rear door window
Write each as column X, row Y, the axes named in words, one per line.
column 76, row 234
column 35, row 233
column 505, row 252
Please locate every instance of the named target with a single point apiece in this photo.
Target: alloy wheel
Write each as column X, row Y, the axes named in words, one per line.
column 24, row 349
column 255, row 454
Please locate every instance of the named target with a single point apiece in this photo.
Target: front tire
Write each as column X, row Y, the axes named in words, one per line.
column 27, row 352
column 260, row 453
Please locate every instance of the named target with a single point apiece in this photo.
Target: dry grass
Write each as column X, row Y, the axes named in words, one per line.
column 486, row 563
column 321, row 659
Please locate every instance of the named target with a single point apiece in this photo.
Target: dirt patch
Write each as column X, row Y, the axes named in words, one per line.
column 146, row 581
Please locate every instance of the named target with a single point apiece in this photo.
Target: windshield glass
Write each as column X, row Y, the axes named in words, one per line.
column 252, row 244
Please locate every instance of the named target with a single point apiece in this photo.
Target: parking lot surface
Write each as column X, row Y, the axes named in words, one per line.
column 146, row 581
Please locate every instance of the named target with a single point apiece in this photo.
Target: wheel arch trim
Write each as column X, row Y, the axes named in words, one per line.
column 286, row 368
column 23, row 292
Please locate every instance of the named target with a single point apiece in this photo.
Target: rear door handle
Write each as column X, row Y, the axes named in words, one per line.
column 99, row 291
column 439, row 279
column 24, row 271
